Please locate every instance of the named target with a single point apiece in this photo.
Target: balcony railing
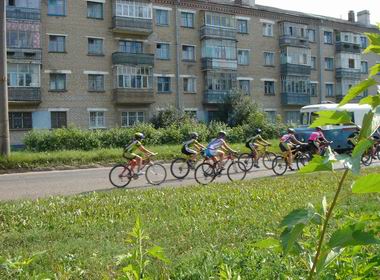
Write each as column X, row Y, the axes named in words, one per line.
column 29, row 95
column 347, row 73
column 290, row 98
column 295, row 69
column 123, row 96
column 24, row 54
column 215, row 63
column 347, row 47
column 287, row 40
column 135, row 26
column 23, row 13
column 133, row 58
column 215, row 96
column 217, row 32
column 339, row 98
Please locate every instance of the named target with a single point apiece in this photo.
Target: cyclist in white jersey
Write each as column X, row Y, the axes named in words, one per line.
column 217, row 146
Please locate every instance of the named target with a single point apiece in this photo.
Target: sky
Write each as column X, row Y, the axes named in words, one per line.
column 333, row 8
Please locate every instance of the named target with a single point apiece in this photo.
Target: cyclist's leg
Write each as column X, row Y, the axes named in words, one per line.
column 138, row 160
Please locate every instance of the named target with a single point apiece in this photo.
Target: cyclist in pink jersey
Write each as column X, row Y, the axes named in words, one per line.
column 315, row 140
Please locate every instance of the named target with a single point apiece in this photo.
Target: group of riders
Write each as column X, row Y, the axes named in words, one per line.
column 216, row 149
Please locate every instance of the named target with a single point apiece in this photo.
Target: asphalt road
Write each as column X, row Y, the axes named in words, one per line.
column 33, row 185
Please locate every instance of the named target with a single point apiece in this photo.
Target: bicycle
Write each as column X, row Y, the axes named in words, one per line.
column 206, row 172
column 371, row 154
column 180, row 167
column 300, row 154
column 267, row 158
column 121, row 174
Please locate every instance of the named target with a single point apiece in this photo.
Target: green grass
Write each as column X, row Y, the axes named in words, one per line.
column 199, row 227
column 33, row 160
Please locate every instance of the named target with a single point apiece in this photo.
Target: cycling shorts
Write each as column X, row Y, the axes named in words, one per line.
column 284, row 147
column 251, row 146
column 130, row 156
column 187, row 151
column 210, row 153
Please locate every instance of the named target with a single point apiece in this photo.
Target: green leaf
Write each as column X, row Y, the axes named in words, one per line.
column 374, row 38
column 298, row 216
column 374, row 70
column 158, row 253
column 351, row 236
column 327, row 257
column 362, row 146
column 367, row 184
column 268, row 243
column 289, row 237
column 324, row 205
column 373, row 100
column 331, row 117
column 356, row 90
column 373, row 49
column 318, row 163
column 366, row 129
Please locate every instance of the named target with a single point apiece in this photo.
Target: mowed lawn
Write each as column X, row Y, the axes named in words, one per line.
column 198, row 227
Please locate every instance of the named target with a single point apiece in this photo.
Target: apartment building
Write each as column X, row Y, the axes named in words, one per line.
column 110, row 63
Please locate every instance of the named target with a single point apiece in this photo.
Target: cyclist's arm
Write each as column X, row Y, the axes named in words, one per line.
column 199, row 145
column 227, row 147
column 295, row 141
column 145, row 150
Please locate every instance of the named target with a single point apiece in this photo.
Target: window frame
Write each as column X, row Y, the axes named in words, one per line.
column 329, row 86
column 125, row 115
column 161, row 85
column 238, row 21
column 265, row 26
column 58, row 121
column 187, row 19
column 63, row 14
column 238, row 57
column 248, row 92
column 157, row 17
column 159, row 52
column 102, row 10
column 93, row 53
column 94, row 82
column 57, row 50
column 194, row 53
column 194, row 82
column 23, row 120
column 273, row 58
column 56, row 82
column 267, row 89
column 97, row 115
column 326, row 64
column 364, row 62
column 328, row 42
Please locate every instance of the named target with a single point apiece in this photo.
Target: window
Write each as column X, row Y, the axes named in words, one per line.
column 162, row 51
column 32, row 4
column 221, row 49
column 242, row 26
column 187, row 19
column 20, row 38
column 269, row 87
column 94, row 10
column 130, row 46
column 364, row 67
column 57, row 82
column 292, row 117
column 190, row 85
column 243, row 57
column 188, row 53
column 313, row 89
column 23, row 75
column 311, row 35
column 220, row 81
column 363, row 42
column 56, row 7
column 329, row 90
column 220, row 20
column 328, row 37
column 268, row 58
column 95, row 82
column 365, row 93
column 244, row 86
column 162, row 17
column 95, row 46
column 163, row 84
column 313, row 62
column 134, row 77
column 329, row 63
column 57, row 43
column 268, row 29
column 271, row 115
column 351, row 63
column 20, row 120
column 97, row 119
column 131, row 118
column 191, row 113
column 58, row 119
column 133, row 9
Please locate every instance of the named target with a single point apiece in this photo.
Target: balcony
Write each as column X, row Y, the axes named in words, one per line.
column 123, row 96
column 25, row 54
column 24, row 95
column 290, row 98
column 215, row 96
column 215, row 63
column 217, row 32
column 339, row 98
column 23, row 13
column 133, row 58
column 347, row 73
column 347, row 47
column 294, row 41
column 295, row 69
column 132, row 26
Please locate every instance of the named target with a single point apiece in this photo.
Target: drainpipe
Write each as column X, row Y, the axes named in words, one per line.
column 321, row 64
column 179, row 101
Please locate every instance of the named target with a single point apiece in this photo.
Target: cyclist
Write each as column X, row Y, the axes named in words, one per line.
column 217, row 146
column 131, row 148
column 316, row 139
column 187, row 147
column 253, row 143
column 287, row 143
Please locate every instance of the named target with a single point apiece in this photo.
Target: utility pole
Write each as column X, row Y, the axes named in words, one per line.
column 4, row 124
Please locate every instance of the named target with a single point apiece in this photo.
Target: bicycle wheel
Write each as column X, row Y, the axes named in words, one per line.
column 302, row 160
column 279, row 166
column 120, row 176
column 247, row 160
column 180, row 168
column 268, row 160
column 366, row 159
column 204, row 174
column 236, row 171
column 155, row 174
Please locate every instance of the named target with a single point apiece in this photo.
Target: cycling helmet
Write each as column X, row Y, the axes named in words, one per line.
column 291, row 130
column 139, row 136
column 222, row 133
column 258, row 131
column 193, row 135
column 318, row 128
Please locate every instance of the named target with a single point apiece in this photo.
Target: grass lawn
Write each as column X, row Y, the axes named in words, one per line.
column 198, row 227
column 30, row 160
